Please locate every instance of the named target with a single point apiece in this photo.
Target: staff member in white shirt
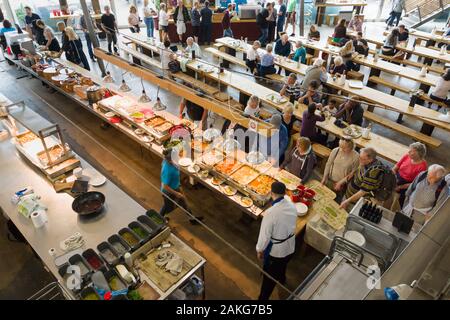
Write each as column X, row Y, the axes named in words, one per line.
column 276, row 241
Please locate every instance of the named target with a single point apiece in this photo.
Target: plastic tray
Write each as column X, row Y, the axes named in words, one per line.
column 105, row 246
column 116, row 242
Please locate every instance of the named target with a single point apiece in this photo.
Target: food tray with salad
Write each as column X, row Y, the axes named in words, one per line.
column 330, row 212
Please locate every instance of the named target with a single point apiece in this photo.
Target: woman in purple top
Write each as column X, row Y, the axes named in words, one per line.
column 309, row 124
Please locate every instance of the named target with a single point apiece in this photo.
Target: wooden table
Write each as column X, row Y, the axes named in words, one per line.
column 374, row 96
column 357, row 5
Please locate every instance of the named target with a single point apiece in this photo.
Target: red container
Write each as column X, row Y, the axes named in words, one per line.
column 309, row 194
column 296, row 197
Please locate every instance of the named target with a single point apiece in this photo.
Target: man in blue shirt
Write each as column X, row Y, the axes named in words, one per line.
column 283, row 48
column 170, row 187
column 30, row 21
column 281, row 17
column 206, row 24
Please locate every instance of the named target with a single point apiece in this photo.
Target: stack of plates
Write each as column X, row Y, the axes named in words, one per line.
column 95, row 178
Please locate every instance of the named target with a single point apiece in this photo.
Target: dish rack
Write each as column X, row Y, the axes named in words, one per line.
column 381, row 244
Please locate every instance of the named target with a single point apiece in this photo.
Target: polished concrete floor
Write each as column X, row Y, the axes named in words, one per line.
column 228, row 274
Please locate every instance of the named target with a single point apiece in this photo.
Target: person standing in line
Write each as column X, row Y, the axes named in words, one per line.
column 206, row 24
column 84, row 27
column 263, row 23
column 276, row 240
column 181, row 17
column 149, row 15
column 30, row 22
column 396, row 13
column 163, row 22
column 109, row 25
column 61, row 26
column 195, row 20
column 133, row 20
column 272, row 22
column 171, row 186
column 226, row 21
column 281, row 17
column 74, row 49
column 291, row 16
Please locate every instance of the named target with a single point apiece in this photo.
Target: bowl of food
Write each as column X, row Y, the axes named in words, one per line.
column 204, row 174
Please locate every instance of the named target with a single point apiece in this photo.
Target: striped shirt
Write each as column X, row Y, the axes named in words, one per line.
column 293, row 90
column 367, row 178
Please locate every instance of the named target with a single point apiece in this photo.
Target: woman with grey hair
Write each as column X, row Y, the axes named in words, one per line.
column 409, row 167
column 315, row 72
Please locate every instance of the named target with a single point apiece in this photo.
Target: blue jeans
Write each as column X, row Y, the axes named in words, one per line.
column 228, row 33
column 89, row 45
column 265, row 70
column 264, row 36
column 150, row 26
column 392, row 17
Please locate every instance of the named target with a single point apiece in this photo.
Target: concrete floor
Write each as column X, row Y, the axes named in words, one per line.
column 228, row 274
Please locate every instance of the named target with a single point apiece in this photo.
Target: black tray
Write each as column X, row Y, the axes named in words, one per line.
column 75, row 259
column 111, row 273
column 87, row 291
column 153, row 215
column 146, row 236
column 150, row 225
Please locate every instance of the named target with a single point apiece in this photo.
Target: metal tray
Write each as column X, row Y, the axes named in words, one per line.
column 90, row 253
column 112, row 273
column 78, row 260
column 150, row 225
column 117, row 243
column 105, row 246
column 153, row 215
column 128, row 230
column 89, row 290
column 146, row 235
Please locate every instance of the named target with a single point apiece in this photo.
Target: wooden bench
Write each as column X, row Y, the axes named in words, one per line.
column 219, row 46
column 411, row 63
column 276, row 77
column 309, row 58
column 355, row 75
column 415, row 135
column 226, row 56
column 323, row 153
column 395, row 86
column 140, row 56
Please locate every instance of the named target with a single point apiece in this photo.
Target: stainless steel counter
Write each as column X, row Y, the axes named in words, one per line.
column 63, row 222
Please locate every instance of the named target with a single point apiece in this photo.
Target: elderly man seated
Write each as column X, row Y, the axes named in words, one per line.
column 426, row 193
column 193, row 46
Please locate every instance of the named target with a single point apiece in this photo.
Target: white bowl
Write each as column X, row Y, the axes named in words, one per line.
column 355, row 237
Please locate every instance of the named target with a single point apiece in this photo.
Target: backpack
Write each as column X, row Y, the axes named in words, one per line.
column 439, row 189
column 388, row 184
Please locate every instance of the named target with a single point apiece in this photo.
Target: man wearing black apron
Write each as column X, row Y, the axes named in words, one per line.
column 276, row 241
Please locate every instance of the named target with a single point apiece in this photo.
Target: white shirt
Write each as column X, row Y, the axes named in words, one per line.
column 148, row 9
column 442, row 88
column 163, row 18
column 252, row 54
column 165, row 57
column 195, row 47
column 251, row 111
column 279, row 222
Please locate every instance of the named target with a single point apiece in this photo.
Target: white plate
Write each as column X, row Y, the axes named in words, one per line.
column 250, row 202
column 302, row 209
column 231, row 192
column 193, row 168
column 97, row 181
column 110, row 114
column 139, row 131
column 185, row 162
column 355, row 237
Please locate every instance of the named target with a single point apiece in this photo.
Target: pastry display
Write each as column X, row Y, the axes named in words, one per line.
column 155, row 121
column 26, row 137
column 244, row 175
column 262, row 184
